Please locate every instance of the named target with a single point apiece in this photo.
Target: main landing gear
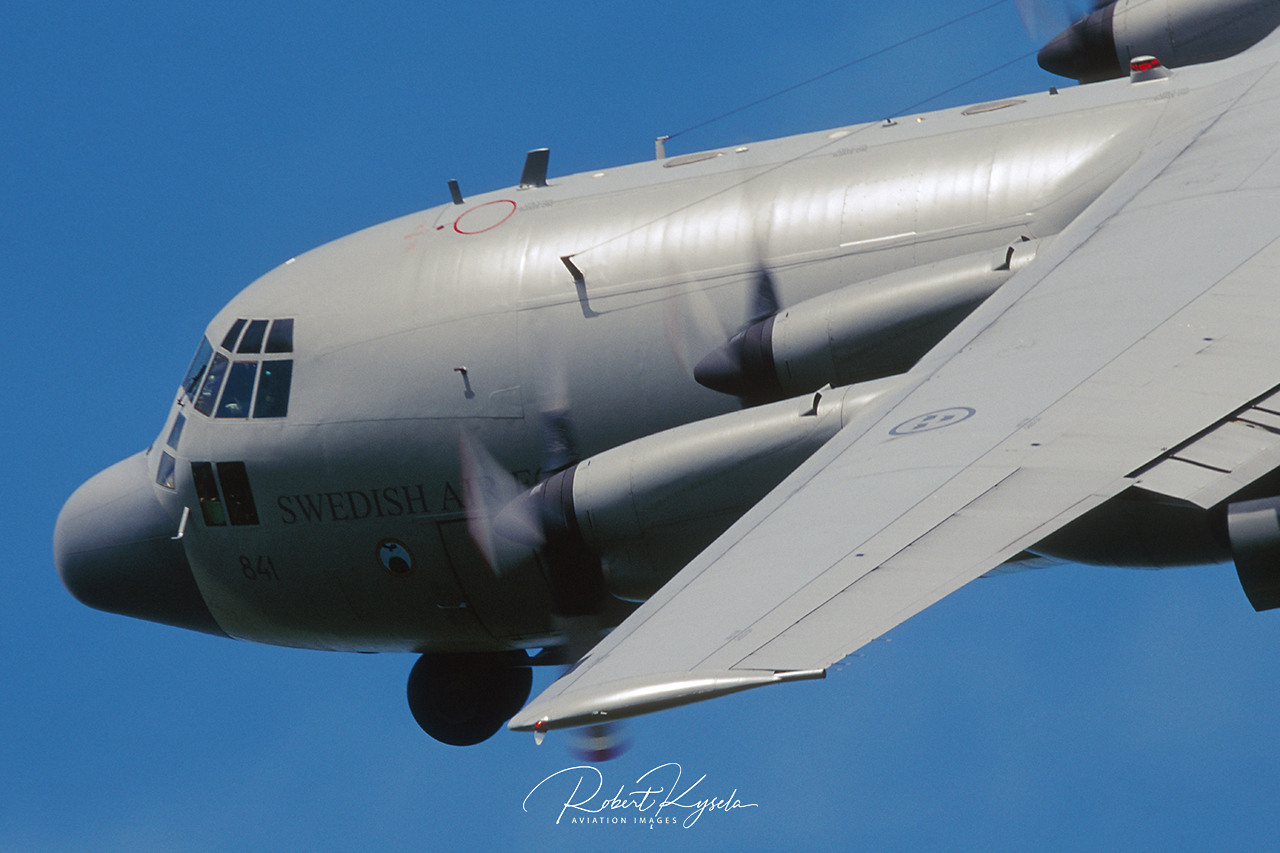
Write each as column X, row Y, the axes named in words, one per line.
column 462, row 699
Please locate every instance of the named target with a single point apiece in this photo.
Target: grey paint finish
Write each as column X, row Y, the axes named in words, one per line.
column 138, row 568
column 1043, row 364
column 385, row 317
column 465, row 322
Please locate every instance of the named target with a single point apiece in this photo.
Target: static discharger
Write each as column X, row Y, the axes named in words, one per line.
column 535, row 169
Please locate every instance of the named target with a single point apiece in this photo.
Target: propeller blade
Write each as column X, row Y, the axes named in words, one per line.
column 559, row 442
column 601, row 743
column 764, row 297
column 551, row 397
column 743, row 365
column 1044, row 19
column 691, row 325
column 505, row 520
column 488, row 490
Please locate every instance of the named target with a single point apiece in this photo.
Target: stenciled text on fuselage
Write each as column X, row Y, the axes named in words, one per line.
column 355, row 505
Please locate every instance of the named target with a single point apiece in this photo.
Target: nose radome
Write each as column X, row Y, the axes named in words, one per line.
column 114, row 551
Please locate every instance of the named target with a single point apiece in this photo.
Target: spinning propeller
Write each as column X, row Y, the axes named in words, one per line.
column 507, row 523
column 743, row 365
column 717, row 359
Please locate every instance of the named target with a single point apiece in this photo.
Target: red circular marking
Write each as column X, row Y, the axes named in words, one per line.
column 484, row 218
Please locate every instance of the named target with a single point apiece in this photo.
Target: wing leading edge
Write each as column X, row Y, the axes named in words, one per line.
column 1141, row 326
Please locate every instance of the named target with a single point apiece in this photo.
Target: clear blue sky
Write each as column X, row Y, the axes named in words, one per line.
column 157, row 157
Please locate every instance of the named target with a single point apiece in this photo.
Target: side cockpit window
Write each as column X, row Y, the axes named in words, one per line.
column 228, row 382
column 212, row 385
column 195, row 373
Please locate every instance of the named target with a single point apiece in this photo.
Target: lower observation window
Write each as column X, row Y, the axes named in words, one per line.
column 207, row 492
column 235, row 488
column 164, row 472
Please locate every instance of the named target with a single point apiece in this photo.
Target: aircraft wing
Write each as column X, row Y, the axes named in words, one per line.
column 1147, row 326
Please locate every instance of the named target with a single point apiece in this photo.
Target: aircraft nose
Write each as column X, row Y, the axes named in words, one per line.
column 114, row 552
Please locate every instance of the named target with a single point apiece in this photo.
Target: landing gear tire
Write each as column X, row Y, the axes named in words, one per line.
column 463, row 699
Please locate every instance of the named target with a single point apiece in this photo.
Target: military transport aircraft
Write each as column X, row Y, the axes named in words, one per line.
column 786, row 394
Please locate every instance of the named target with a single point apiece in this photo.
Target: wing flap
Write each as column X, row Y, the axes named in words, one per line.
column 1211, row 468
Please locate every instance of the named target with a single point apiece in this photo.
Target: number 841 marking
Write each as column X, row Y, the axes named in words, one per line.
column 261, row 567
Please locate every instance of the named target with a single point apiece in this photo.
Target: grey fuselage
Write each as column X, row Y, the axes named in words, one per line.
column 465, row 319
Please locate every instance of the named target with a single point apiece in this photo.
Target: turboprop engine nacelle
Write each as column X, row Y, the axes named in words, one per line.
column 861, row 332
column 1142, row 530
column 1177, row 32
column 646, row 508
column 1254, row 530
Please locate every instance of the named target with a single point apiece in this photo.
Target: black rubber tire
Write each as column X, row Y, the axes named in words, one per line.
column 463, row 699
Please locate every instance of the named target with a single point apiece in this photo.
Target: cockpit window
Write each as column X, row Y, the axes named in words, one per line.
column 196, row 371
column 175, row 434
column 238, row 391
column 252, row 340
column 233, row 335
column 273, row 390
column 281, row 337
column 224, row 388
column 165, row 470
column 212, row 385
